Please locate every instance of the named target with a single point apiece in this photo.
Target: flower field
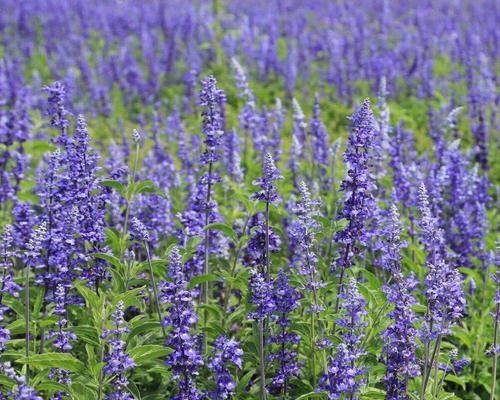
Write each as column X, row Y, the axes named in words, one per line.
column 249, row 199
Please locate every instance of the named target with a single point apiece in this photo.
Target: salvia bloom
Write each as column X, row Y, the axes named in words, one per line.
column 319, row 139
column 248, row 117
column 268, row 192
column 344, row 374
column 139, row 230
column 57, row 110
column 185, row 359
column 400, row 336
column 358, row 184
column 117, row 362
column 34, row 247
column 63, row 337
column 444, row 284
column 261, row 290
column 232, row 156
column 212, row 99
column 254, row 254
column 7, row 252
column 226, row 352
column 302, row 234
column 21, row 391
column 286, row 300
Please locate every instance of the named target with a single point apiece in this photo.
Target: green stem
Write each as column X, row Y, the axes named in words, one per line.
column 155, row 290
column 262, row 362
column 227, row 291
column 495, row 355
column 131, row 180
column 436, row 369
column 205, row 288
column 27, row 320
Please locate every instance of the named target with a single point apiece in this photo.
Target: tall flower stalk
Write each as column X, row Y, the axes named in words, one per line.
column 117, row 362
column 32, row 256
column 185, row 359
column 141, row 234
column 260, row 284
column 212, row 99
column 358, row 186
column 495, row 348
column 302, row 234
column 400, row 336
column 344, row 375
column 444, row 292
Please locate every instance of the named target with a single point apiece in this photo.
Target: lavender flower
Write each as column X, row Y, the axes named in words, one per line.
column 358, row 186
column 261, row 295
column 232, row 156
column 7, row 253
column 302, row 234
column 57, row 111
column 180, row 319
column 117, row 362
column 213, row 99
column 139, row 230
column 63, row 337
column 319, row 142
column 400, row 336
column 21, row 391
column 445, row 296
column 268, row 192
column 285, row 357
column 224, row 353
column 344, row 374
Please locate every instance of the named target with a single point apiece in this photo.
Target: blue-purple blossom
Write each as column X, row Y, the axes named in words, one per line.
column 139, row 231
column 444, row 284
column 344, row 375
column 400, row 337
column 357, row 184
column 261, row 295
column 117, row 361
column 270, row 174
column 212, row 99
column 21, row 390
column 302, row 233
column 319, row 141
column 284, row 356
column 57, row 110
column 226, row 352
column 180, row 319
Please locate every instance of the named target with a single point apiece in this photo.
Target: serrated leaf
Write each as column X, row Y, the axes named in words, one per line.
column 54, row 360
column 148, row 352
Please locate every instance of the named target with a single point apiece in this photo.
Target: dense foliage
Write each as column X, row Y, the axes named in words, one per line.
column 188, row 214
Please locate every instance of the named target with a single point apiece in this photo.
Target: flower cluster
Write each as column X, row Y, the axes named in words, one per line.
column 400, row 336
column 224, row 353
column 117, row 362
column 185, row 359
column 285, row 298
column 344, row 374
column 357, row 184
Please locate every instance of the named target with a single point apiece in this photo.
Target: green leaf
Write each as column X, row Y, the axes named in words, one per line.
column 88, row 334
column 226, row 229
column 54, row 360
column 148, row 352
column 143, row 326
column 310, row 395
column 113, row 184
column 202, row 279
column 109, row 258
